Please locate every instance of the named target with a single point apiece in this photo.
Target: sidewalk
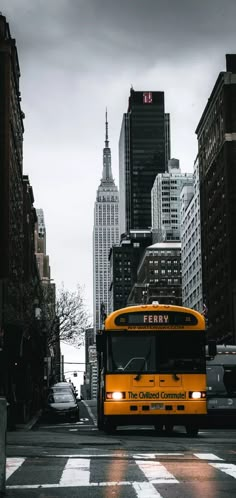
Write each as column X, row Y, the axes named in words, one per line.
column 52, row 440
column 23, row 436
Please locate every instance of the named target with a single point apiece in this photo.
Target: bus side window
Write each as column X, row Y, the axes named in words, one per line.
column 230, row 379
column 215, row 374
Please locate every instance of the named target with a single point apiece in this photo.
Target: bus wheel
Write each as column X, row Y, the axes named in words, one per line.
column 169, row 428
column 192, row 430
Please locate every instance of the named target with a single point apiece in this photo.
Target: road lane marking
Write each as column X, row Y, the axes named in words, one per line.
column 90, row 485
column 155, row 472
column 12, row 464
column 227, row 468
column 207, row 456
column 119, row 455
column 141, row 456
column 82, row 423
column 90, row 413
column 92, row 428
column 76, row 472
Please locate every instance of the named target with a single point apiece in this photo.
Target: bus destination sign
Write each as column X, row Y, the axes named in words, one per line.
column 150, row 318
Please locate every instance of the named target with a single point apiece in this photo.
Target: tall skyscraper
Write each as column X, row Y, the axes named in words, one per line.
column 40, row 248
column 144, row 149
column 217, row 158
column 105, row 234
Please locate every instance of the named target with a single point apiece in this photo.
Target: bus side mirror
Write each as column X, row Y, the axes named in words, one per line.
column 99, row 343
column 212, row 349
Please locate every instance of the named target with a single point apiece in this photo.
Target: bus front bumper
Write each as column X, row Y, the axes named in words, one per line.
column 177, row 412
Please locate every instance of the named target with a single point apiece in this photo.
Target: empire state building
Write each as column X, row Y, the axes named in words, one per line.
column 106, row 233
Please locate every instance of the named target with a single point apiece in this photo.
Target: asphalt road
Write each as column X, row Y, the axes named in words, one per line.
column 54, row 460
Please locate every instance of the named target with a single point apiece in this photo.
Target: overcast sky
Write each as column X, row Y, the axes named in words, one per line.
column 79, row 56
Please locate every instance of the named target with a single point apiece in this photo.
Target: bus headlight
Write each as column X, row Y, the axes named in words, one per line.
column 197, row 394
column 117, row 395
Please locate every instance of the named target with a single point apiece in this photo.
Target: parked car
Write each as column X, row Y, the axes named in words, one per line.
column 61, row 404
column 66, row 385
column 61, row 387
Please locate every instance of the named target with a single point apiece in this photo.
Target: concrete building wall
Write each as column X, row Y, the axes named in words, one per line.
column 191, row 244
column 165, row 201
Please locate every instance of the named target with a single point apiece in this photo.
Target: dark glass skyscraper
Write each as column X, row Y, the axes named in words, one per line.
column 143, row 153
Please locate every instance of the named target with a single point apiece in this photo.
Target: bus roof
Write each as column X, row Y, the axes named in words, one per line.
column 156, row 308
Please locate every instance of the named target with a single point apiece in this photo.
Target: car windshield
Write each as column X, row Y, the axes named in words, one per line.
column 60, row 398
column 168, row 351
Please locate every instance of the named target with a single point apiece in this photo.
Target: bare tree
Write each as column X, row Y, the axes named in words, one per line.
column 64, row 316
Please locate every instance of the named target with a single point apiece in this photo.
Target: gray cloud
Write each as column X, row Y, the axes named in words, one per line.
column 120, row 31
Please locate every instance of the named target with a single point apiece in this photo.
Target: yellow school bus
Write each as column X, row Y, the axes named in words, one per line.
column 152, row 368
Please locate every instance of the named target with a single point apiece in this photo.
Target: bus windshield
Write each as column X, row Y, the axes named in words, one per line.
column 167, row 352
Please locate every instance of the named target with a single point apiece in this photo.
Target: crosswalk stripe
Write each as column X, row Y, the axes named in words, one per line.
column 12, row 464
column 228, row 468
column 207, row 456
column 144, row 489
column 76, row 472
column 155, row 472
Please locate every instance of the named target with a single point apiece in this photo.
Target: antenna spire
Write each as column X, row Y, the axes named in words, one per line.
column 106, row 134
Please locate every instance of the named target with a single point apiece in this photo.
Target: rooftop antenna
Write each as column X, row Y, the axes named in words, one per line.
column 106, row 134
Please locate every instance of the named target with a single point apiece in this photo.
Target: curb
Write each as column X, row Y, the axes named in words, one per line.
column 28, row 426
column 90, row 412
column 33, row 421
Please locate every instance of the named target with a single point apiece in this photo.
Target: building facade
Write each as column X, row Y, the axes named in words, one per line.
column 11, row 157
column 86, row 387
column 159, row 275
column 21, row 346
column 23, row 343
column 93, row 372
column 53, row 353
column 165, row 202
column 105, row 234
column 40, row 248
column 216, row 134
column 124, row 260
column 191, row 244
column 143, row 148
